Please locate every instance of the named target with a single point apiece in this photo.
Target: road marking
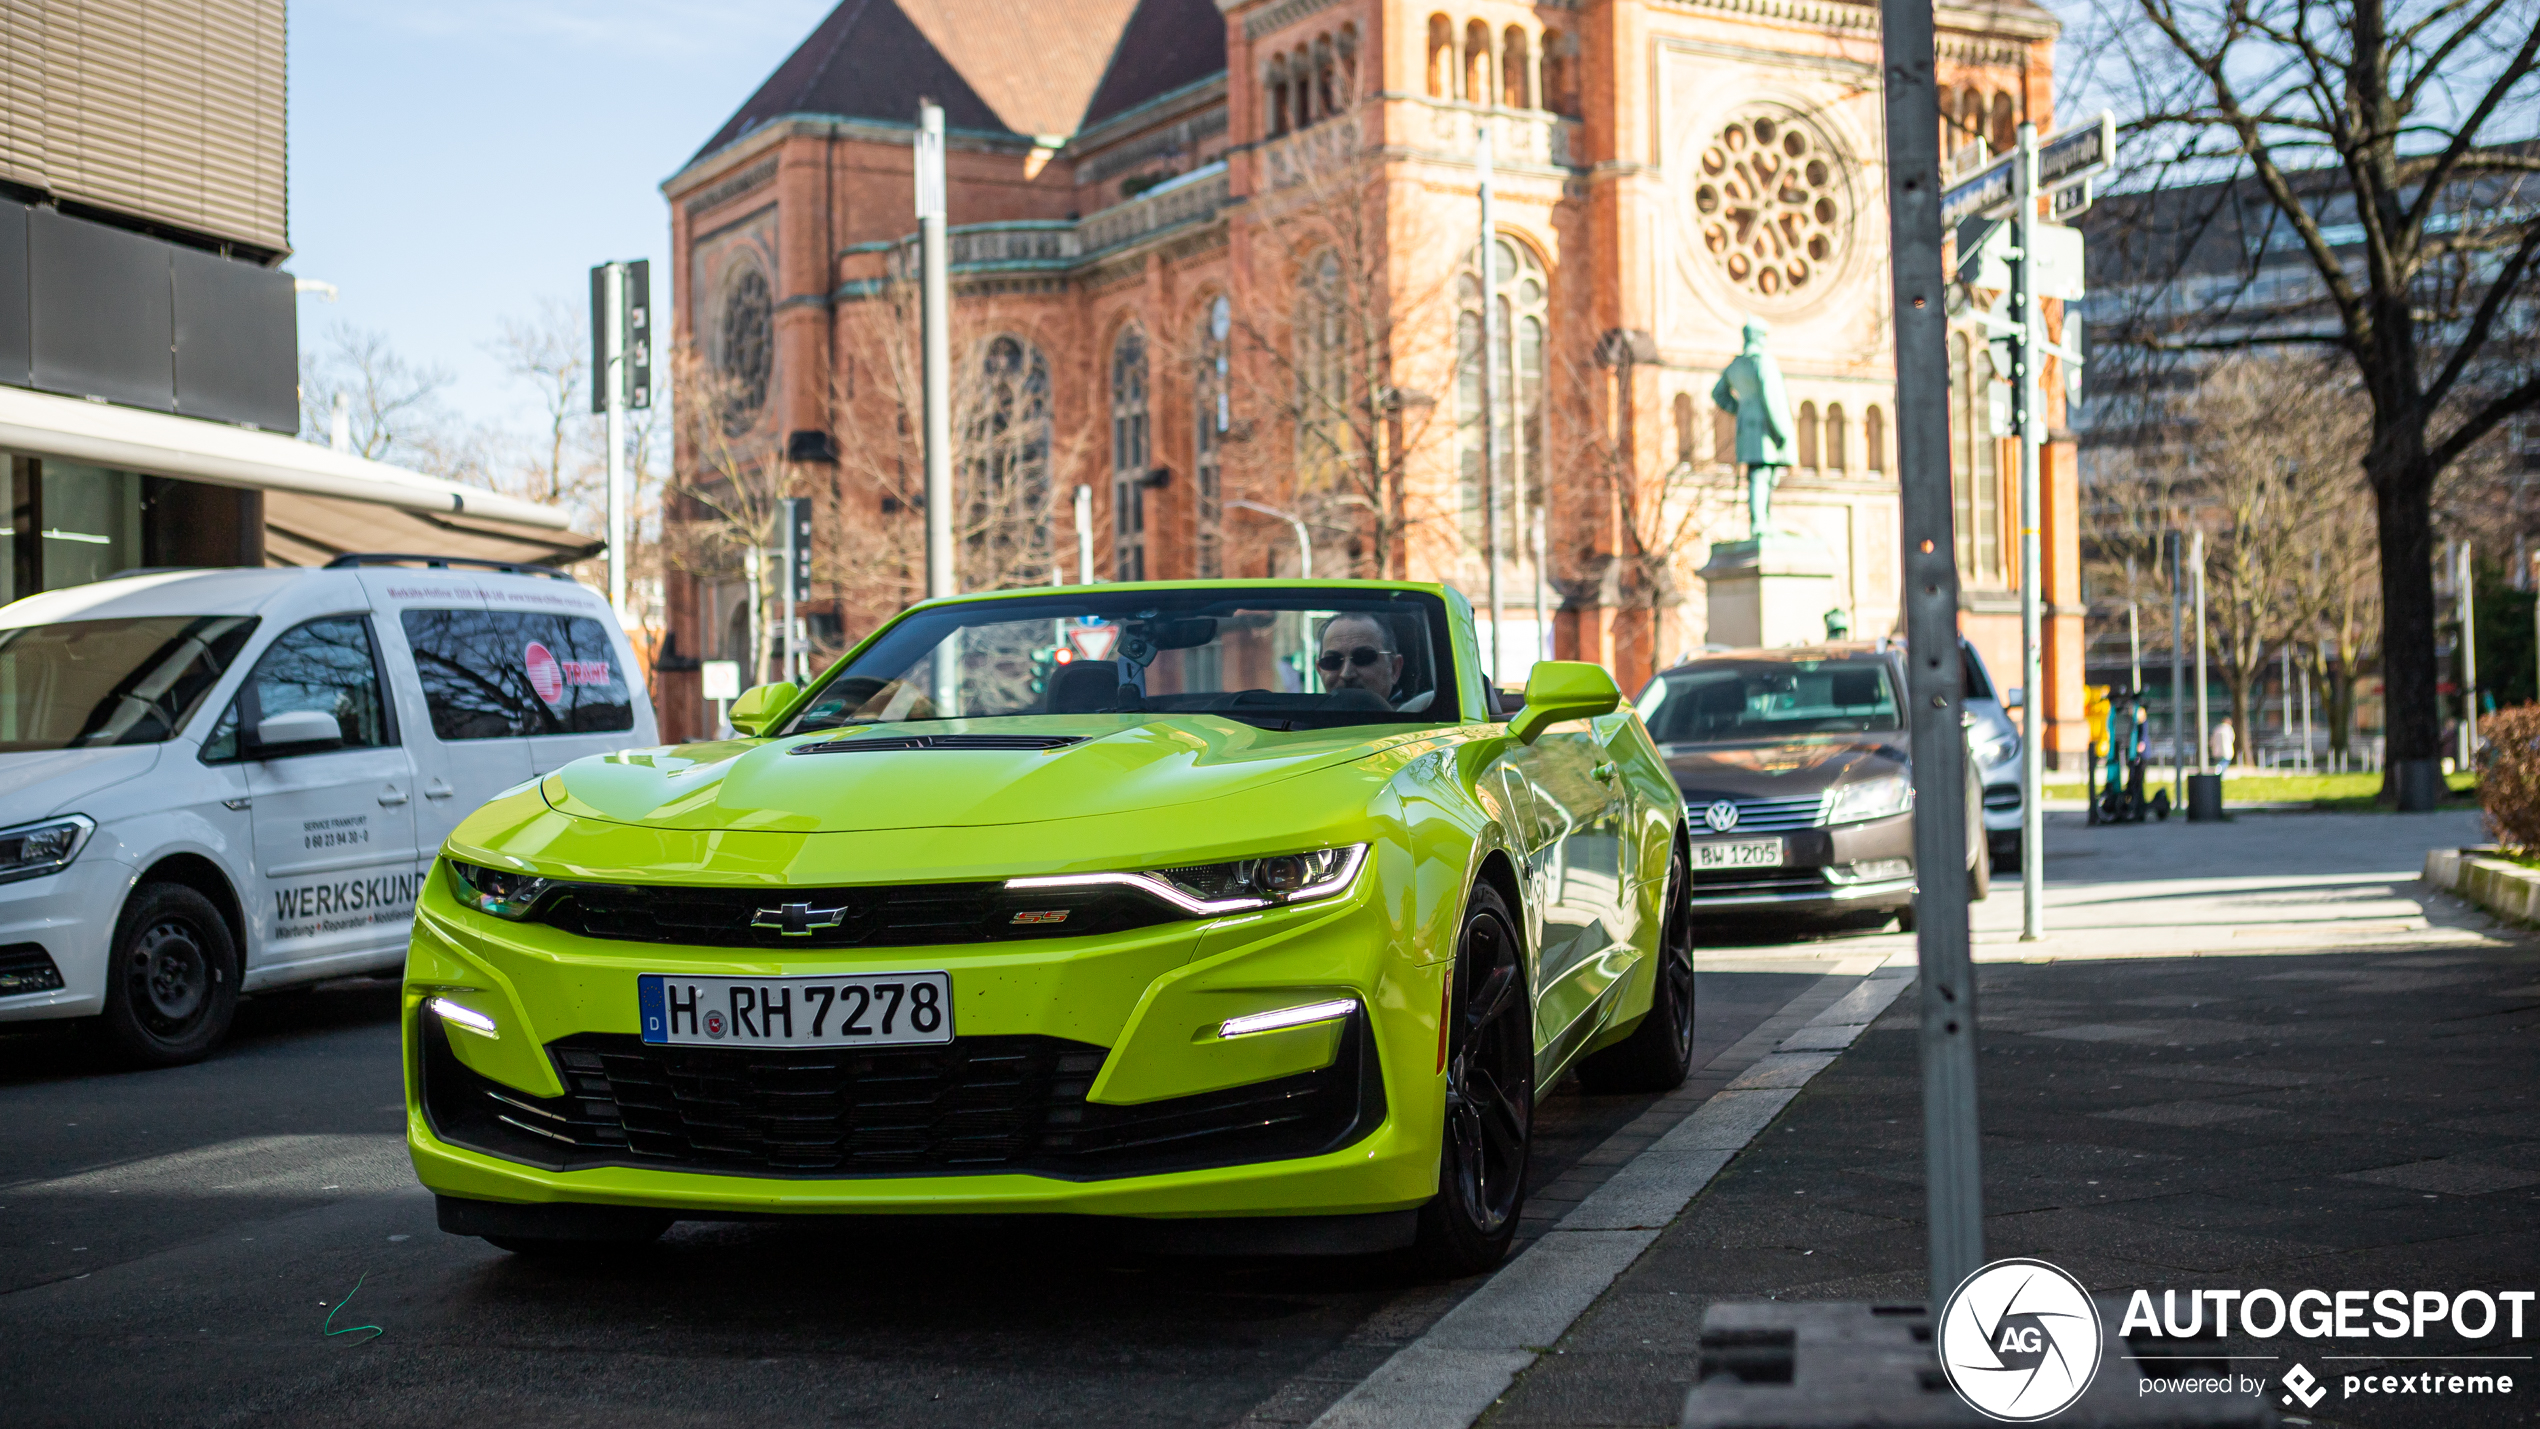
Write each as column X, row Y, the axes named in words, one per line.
column 351, row 1165
column 1451, row 1376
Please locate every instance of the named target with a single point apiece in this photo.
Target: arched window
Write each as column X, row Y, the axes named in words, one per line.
column 1807, row 436
column 1322, row 370
column 1326, row 77
column 1874, row 438
column 1129, row 455
column 747, row 349
column 1684, row 428
column 1723, row 437
column 1838, row 439
column 1974, row 479
column 2006, row 124
column 1005, row 448
column 1971, row 112
column 1477, row 62
column 1948, row 125
column 1210, row 418
column 1301, row 85
column 1277, row 85
column 1441, row 57
column 1521, row 300
column 1516, row 69
column 1348, row 48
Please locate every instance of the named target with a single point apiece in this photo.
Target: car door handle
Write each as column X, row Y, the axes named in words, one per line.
column 439, row 789
column 391, row 796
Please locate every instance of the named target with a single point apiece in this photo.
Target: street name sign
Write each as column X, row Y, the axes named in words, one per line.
column 2063, row 161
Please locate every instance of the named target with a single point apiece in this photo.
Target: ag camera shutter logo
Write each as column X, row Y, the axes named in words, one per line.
column 2020, row 1341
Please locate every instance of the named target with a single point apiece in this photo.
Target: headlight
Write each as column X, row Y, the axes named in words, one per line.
column 1999, row 749
column 491, row 890
column 1870, row 799
column 1212, row 888
column 34, row 850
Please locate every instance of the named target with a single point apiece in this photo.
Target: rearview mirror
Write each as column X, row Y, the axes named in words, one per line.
column 759, row 705
column 1561, row 690
column 299, row 732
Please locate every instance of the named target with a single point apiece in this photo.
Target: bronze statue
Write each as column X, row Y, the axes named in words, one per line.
column 1752, row 389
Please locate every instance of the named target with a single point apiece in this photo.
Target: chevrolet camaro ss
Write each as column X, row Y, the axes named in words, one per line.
column 1237, row 907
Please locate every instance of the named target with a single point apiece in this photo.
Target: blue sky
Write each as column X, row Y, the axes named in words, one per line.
column 453, row 163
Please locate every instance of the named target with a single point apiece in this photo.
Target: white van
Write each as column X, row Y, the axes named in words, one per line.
column 226, row 781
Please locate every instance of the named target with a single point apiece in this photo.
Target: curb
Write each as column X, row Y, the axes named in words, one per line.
column 1450, row 1376
column 2502, row 887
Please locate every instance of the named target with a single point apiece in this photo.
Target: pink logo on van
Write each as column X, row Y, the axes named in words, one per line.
column 545, row 675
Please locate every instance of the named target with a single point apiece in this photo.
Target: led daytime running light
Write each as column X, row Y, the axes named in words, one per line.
column 1310, row 1013
column 1159, row 888
column 459, row 1015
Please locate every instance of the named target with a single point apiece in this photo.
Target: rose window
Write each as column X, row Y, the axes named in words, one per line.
column 1772, row 205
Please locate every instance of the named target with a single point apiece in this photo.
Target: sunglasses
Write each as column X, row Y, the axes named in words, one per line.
column 1362, row 657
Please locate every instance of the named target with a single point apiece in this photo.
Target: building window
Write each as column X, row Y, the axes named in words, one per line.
column 1441, row 57
column 1129, row 455
column 1477, row 62
column 1348, row 50
column 1005, row 449
column 1210, row 417
column 1326, row 78
column 1838, row 439
column 1519, row 298
column 1322, row 371
column 1974, row 478
column 1515, row 69
column 1874, row 437
column 749, row 350
column 1808, row 436
column 2006, row 124
column 1277, row 85
column 1724, row 437
column 1560, row 73
column 1685, row 440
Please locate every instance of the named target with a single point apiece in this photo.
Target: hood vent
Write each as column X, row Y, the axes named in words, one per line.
column 883, row 742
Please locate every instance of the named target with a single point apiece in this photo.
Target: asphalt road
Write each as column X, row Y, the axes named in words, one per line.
column 172, row 1243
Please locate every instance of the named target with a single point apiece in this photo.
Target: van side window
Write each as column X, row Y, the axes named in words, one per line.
column 326, row 665
column 502, row 674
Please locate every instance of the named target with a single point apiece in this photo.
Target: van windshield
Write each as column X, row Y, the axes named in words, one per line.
column 1748, row 701
column 85, row 684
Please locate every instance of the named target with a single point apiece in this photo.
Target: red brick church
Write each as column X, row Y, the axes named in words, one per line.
column 1219, row 295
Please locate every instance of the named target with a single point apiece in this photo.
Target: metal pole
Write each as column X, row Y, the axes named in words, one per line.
column 1084, row 535
column 2284, row 686
column 2204, row 716
column 1489, row 258
column 615, row 377
column 2308, row 762
column 935, row 303
column 2026, row 414
column 1304, row 537
column 2133, row 631
column 785, row 514
column 1953, row 1182
column 2469, row 660
column 2174, row 548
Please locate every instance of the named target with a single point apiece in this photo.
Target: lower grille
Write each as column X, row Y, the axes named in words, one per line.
column 26, row 967
column 2002, row 796
column 1741, row 882
column 976, row 1105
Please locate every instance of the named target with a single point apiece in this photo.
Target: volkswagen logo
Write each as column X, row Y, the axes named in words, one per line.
column 1721, row 816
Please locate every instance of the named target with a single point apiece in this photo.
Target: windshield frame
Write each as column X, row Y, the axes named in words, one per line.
column 1651, row 701
column 1447, row 705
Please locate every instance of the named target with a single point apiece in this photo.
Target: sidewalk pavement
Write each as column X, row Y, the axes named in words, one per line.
column 2358, row 1107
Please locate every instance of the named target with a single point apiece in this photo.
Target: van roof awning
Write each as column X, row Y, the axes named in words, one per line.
column 190, row 448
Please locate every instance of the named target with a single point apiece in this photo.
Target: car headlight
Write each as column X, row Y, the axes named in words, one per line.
column 2000, row 749
column 34, row 850
column 1208, row 889
column 492, row 890
column 1870, row 799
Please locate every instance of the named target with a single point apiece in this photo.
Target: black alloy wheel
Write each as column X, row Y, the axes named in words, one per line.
column 172, row 981
column 1490, row 1097
column 1659, row 1053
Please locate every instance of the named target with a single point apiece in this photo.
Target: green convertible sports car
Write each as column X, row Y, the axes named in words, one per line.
column 1245, row 908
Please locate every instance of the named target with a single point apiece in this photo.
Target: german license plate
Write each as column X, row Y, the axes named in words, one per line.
column 1744, row 853
column 836, row 1010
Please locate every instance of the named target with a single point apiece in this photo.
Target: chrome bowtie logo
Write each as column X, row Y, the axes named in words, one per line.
column 2020, row 1340
column 798, row 920
column 1721, row 816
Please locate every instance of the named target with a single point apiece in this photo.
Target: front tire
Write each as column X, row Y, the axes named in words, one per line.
column 1658, row 1054
column 172, row 978
column 1490, row 1098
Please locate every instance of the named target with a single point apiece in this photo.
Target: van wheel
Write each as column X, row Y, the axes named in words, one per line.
column 1659, row 1052
column 1490, row 1098
column 172, row 979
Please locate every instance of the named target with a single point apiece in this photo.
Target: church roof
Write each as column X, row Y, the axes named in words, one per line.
column 1026, row 67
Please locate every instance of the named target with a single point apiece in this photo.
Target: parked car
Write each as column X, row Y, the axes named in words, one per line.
column 1238, row 906
column 1993, row 742
column 227, row 781
column 1797, row 780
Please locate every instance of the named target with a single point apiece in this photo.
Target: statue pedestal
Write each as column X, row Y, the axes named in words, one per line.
column 1770, row 590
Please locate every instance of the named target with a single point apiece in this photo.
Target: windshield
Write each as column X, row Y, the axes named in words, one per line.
column 1283, row 659
column 1748, row 701
column 89, row 683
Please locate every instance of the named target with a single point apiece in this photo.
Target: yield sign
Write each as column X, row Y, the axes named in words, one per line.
column 1094, row 642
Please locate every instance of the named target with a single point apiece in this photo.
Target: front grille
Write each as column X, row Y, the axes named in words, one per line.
column 976, row 1105
column 2001, row 796
column 880, row 743
column 910, row 915
column 26, row 967
column 1758, row 816
column 1745, row 882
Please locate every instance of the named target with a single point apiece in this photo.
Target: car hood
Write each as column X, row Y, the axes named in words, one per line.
column 1116, row 766
column 39, row 783
column 1784, row 769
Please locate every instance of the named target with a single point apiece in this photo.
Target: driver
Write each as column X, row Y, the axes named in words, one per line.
column 1358, row 654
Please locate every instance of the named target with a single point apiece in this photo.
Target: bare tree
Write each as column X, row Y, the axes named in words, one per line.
column 2374, row 125
column 549, row 354
column 722, row 499
column 393, row 404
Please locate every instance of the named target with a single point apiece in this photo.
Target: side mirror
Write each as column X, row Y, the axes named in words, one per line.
column 759, row 705
column 2014, row 699
column 1561, row 690
column 299, row 732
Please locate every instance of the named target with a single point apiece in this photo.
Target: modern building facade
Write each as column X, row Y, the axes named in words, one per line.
column 1218, row 264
